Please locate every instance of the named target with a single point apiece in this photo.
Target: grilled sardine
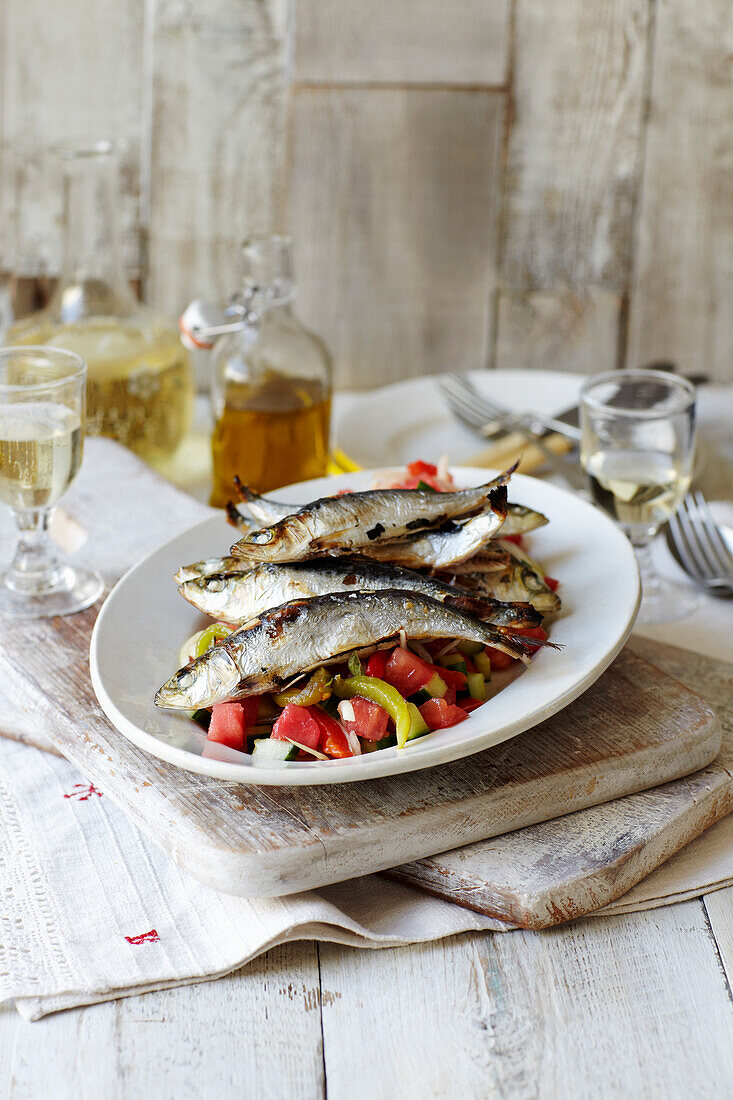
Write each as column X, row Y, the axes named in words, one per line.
column 237, row 597
column 299, row 636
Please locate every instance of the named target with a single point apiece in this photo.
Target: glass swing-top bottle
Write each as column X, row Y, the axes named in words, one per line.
column 270, row 380
column 140, row 382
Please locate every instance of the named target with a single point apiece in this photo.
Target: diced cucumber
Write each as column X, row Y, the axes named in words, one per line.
column 476, row 686
column 469, row 649
column 418, row 725
column 202, row 718
column 268, row 751
column 483, row 664
column 456, row 661
column 435, row 688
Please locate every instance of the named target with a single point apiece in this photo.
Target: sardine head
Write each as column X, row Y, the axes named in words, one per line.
column 213, row 678
column 209, row 594
column 281, row 541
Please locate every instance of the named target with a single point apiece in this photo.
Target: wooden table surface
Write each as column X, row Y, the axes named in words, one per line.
column 626, row 1006
column 635, row 1005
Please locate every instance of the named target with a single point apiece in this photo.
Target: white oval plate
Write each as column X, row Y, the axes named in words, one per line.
column 144, row 622
column 397, row 423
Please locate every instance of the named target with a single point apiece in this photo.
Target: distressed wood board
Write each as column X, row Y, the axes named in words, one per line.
column 563, row 869
column 259, row 842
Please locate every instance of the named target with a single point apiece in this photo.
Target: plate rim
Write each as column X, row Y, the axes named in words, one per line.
column 321, row 774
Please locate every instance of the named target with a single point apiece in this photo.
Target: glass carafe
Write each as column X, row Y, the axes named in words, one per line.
column 140, row 381
column 270, row 383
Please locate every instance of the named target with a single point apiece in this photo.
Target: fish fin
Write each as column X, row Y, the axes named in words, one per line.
column 245, row 493
column 235, row 517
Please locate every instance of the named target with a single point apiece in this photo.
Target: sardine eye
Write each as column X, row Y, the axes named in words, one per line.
column 262, row 536
column 215, row 584
column 185, row 679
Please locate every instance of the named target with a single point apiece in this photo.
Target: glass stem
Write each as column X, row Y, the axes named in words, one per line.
column 35, row 569
column 650, row 583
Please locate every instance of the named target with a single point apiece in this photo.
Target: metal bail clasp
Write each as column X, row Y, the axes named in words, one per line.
column 202, row 323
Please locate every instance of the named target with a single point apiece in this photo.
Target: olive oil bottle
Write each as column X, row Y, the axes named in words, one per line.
column 270, row 384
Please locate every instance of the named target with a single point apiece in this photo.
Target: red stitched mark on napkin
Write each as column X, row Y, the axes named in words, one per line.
column 82, row 791
column 147, row 937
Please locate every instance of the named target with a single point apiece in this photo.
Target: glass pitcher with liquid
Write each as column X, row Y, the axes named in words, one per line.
column 140, row 388
column 270, row 381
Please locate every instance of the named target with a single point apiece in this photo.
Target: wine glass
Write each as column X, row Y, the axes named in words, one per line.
column 42, row 395
column 637, row 449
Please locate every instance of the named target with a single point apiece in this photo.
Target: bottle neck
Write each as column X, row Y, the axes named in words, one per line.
column 93, row 279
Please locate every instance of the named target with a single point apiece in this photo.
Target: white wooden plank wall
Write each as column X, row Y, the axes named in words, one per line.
column 486, row 182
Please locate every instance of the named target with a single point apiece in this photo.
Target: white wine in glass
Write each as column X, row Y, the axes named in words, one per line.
column 41, row 442
column 637, row 448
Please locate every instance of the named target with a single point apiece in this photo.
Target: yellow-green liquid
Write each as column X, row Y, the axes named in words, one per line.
column 40, row 453
column 270, row 435
column 139, row 383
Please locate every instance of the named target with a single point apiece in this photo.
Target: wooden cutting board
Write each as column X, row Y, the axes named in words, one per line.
column 565, row 868
column 635, row 729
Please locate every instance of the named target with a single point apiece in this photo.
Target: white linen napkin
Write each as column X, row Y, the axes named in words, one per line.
column 92, row 910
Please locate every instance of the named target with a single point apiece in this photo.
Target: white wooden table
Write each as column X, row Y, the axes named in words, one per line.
column 634, row 1005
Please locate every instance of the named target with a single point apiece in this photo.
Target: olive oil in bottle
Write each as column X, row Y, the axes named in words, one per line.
column 271, row 388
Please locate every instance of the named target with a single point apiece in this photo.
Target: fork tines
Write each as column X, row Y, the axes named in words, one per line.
column 700, row 545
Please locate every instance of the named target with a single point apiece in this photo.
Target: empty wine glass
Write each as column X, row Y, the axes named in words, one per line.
column 637, row 449
column 42, row 394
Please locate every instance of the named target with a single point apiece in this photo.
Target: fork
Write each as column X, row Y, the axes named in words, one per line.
column 490, row 420
column 699, row 546
column 536, row 423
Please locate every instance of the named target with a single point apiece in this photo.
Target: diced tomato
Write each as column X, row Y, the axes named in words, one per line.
column 328, row 724
column 499, row 660
column 406, row 671
column 369, row 721
column 469, row 704
column 440, row 715
column 516, row 539
column 377, row 663
column 228, row 725
column 434, row 648
column 450, row 694
column 552, row 584
column 452, row 676
column 419, row 469
column 337, row 744
column 250, row 708
column 297, row 724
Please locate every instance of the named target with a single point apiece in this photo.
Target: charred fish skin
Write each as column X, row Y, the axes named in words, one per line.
column 443, row 548
column 299, row 636
column 357, row 520
column 504, row 572
column 236, row 597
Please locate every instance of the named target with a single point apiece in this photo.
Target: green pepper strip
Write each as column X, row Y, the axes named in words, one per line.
column 213, row 634
column 377, row 691
column 315, row 690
